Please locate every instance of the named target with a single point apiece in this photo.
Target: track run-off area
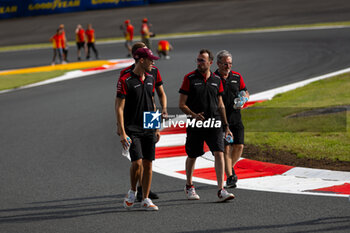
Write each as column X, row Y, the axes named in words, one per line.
column 252, row 175
column 62, row 165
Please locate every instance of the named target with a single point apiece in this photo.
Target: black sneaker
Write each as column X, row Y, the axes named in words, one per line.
column 151, row 194
column 231, row 182
column 233, row 172
column 139, row 194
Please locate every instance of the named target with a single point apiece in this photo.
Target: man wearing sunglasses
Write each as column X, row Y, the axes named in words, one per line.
column 233, row 84
column 201, row 100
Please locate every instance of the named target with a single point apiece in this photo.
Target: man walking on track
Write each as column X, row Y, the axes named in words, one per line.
column 64, row 43
column 90, row 34
column 57, row 46
column 128, row 31
column 201, row 100
column 163, row 102
column 135, row 93
column 80, row 40
column 233, row 84
column 146, row 33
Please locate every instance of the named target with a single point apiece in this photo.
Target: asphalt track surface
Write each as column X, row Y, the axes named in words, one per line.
column 182, row 16
column 61, row 169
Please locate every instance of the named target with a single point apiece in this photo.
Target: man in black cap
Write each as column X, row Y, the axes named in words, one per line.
column 135, row 93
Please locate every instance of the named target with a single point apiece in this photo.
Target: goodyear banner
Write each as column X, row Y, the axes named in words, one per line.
column 10, row 9
column 159, row 1
column 44, row 7
column 103, row 4
column 20, row 8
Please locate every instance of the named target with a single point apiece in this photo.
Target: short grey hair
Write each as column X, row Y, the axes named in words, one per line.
column 223, row 53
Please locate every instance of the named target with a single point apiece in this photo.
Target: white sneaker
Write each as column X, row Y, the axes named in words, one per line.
column 191, row 193
column 223, row 195
column 147, row 204
column 129, row 200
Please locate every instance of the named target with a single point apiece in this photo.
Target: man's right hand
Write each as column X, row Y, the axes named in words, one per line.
column 125, row 141
column 118, row 130
column 199, row 116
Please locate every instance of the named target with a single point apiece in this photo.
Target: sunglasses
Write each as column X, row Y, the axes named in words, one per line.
column 226, row 64
column 200, row 60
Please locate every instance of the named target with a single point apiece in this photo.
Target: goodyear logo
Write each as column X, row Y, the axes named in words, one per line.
column 51, row 5
column 8, row 9
column 96, row 2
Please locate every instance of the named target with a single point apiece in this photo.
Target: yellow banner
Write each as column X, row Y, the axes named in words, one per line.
column 8, row 9
column 96, row 2
column 53, row 5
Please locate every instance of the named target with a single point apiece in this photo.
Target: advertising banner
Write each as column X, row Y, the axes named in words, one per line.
column 45, row 7
column 20, row 8
column 159, row 1
column 11, row 8
column 105, row 4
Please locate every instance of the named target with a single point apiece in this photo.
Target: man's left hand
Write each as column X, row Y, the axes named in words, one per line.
column 158, row 136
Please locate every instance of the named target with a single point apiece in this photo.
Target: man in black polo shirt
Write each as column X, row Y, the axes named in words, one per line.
column 233, row 83
column 155, row 72
column 135, row 95
column 162, row 100
column 200, row 99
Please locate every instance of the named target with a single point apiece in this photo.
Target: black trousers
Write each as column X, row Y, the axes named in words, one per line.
column 91, row 45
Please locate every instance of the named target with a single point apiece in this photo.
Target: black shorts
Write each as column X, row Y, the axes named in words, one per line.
column 163, row 52
column 196, row 137
column 143, row 146
column 80, row 45
column 237, row 130
column 236, row 127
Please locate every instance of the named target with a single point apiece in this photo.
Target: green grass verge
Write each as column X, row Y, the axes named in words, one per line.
column 315, row 137
column 18, row 80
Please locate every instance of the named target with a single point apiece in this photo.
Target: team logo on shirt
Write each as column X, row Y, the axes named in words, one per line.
column 151, row 120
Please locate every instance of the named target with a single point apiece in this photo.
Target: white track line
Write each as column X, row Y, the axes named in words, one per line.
column 267, row 95
column 75, row 74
